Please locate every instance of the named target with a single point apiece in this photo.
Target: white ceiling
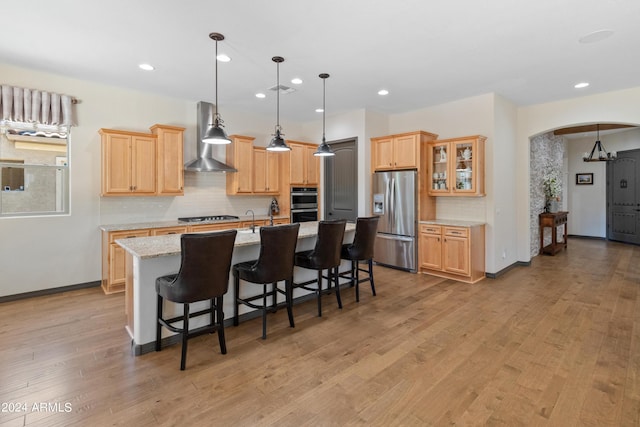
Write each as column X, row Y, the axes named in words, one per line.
column 424, row 52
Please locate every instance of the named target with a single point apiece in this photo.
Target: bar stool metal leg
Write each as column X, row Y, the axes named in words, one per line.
column 159, row 326
column 185, row 337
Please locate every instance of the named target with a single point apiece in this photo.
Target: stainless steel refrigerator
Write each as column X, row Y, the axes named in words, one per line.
column 395, row 202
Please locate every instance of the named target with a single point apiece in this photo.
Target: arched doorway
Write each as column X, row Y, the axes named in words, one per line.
column 562, row 150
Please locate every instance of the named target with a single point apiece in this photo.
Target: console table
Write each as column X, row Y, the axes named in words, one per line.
column 553, row 220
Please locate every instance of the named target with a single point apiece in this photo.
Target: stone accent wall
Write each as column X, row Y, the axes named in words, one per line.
column 547, row 154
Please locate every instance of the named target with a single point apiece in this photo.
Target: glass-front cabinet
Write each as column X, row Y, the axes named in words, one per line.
column 456, row 166
column 438, row 161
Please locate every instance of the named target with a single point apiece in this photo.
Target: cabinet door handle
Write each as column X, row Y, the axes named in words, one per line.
column 130, row 237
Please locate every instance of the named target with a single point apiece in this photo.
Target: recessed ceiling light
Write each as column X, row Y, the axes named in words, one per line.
column 260, row 95
column 223, row 58
column 296, row 81
column 319, row 110
column 596, row 36
column 146, row 67
column 581, row 85
column 383, row 92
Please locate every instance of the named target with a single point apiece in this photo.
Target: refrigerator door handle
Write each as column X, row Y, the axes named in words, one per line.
column 387, row 196
column 392, row 206
column 395, row 237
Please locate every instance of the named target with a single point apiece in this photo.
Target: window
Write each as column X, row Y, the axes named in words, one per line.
column 34, row 173
column 34, row 139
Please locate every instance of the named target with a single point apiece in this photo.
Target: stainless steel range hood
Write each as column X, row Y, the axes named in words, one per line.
column 205, row 161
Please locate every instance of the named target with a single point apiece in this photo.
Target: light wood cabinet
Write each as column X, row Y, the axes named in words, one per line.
column 258, row 169
column 113, row 259
column 278, row 221
column 456, row 166
column 141, row 164
column 240, row 156
column 170, row 159
column 266, row 166
column 128, row 163
column 114, row 256
column 401, row 151
column 304, row 167
column 212, row 227
column 452, row 252
column 431, row 247
column 169, row 230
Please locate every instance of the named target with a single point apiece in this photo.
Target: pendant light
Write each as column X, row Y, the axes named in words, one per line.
column 277, row 143
column 215, row 134
column 602, row 155
column 323, row 149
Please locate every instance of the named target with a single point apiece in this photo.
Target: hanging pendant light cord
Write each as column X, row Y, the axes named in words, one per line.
column 277, row 96
column 324, row 95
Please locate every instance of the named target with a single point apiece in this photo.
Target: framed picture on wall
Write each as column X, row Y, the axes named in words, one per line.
column 584, row 179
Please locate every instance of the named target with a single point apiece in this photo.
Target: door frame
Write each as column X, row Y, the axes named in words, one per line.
column 325, row 178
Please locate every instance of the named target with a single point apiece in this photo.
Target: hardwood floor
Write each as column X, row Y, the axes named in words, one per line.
column 556, row 343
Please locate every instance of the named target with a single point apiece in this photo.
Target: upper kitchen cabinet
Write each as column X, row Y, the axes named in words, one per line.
column 402, row 151
column 456, row 166
column 266, row 165
column 258, row 169
column 240, row 156
column 128, row 163
column 304, row 166
column 170, row 159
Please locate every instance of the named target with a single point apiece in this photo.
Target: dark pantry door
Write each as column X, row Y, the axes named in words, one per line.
column 341, row 181
column 623, row 197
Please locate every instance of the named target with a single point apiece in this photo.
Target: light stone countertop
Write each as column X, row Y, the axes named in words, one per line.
column 453, row 222
column 157, row 246
column 176, row 223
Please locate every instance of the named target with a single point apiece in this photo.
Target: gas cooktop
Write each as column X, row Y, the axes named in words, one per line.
column 207, row 218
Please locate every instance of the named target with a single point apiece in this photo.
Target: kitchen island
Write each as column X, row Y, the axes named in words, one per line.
column 147, row 258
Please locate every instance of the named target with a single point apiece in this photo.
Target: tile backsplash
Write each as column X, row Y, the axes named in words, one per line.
column 205, row 194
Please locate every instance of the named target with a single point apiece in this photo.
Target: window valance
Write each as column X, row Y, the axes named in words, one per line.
column 36, row 109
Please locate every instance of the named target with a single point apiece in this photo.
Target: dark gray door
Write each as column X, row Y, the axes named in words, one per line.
column 623, row 197
column 341, row 181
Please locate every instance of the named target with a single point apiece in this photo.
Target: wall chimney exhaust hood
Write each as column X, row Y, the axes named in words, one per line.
column 205, row 161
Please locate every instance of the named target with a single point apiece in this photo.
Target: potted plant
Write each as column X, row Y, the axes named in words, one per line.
column 552, row 191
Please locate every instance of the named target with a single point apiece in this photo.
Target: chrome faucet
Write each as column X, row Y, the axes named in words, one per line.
column 270, row 212
column 253, row 220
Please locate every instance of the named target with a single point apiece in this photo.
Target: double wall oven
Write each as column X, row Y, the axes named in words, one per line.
column 304, row 204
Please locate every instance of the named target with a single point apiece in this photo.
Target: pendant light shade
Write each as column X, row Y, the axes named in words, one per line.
column 598, row 152
column 277, row 143
column 215, row 134
column 323, row 149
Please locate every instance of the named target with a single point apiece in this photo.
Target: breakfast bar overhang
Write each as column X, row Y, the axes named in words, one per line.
column 148, row 258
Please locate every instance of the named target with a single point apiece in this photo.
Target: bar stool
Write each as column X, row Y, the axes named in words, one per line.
column 325, row 256
column 361, row 250
column 203, row 275
column 274, row 263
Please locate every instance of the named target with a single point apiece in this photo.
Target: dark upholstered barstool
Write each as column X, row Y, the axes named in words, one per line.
column 203, row 275
column 324, row 256
column 361, row 250
column 274, row 263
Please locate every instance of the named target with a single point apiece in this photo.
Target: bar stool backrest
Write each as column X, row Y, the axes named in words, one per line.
column 204, row 267
column 277, row 252
column 326, row 253
column 363, row 241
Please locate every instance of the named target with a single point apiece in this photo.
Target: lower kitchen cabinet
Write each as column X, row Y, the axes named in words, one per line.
column 213, row 227
column 453, row 252
column 113, row 259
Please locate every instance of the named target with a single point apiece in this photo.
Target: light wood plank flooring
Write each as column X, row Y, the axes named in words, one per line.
column 556, row 343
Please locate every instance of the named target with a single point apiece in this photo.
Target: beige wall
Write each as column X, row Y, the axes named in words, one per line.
column 47, row 252
column 614, row 107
